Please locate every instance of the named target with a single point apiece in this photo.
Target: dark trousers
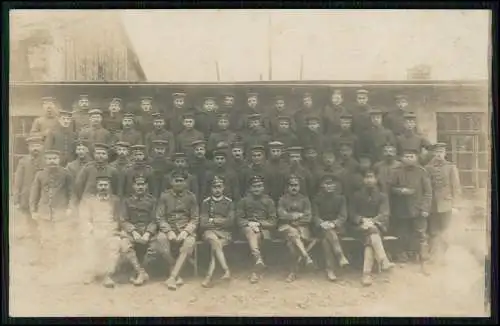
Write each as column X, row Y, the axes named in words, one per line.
column 412, row 234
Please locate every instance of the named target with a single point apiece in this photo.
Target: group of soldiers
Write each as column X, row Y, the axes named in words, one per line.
column 159, row 179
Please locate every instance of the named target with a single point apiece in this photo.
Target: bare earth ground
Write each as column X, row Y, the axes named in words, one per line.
column 453, row 289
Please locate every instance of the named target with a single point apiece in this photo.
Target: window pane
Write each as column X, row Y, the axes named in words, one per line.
column 20, row 145
column 464, row 143
column 476, row 121
column 483, row 143
column 447, row 122
column 467, row 178
column 465, row 123
column 484, row 180
column 484, row 163
column 466, row 161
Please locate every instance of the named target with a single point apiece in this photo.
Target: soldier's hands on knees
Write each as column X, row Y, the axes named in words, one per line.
column 171, row 236
column 326, row 225
column 136, row 236
column 182, row 236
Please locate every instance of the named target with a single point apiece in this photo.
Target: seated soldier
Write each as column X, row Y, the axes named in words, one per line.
column 330, row 215
column 369, row 214
column 99, row 218
column 177, row 215
column 294, row 218
column 216, row 222
column 256, row 215
column 138, row 226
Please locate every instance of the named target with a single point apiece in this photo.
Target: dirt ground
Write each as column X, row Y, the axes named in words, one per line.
column 455, row 288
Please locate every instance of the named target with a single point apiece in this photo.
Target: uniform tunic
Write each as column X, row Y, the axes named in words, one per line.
column 113, row 122
column 206, row 122
column 186, row 137
column 361, row 119
column 331, row 116
column 330, row 207
column 305, row 177
column 290, row 204
column 138, row 214
column 42, row 125
column 374, row 140
column 231, row 182
column 86, row 179
column 257, row 209
column 411, row 140
column 275, row 172
column 161, row 134
column 161, row 167
column 63, row 140
column 445, row 185
column 144, row 123
column 26, row 170
column 369, row 203
column 385, row 173
column 96, row 134
column 129, row 135
column 81, row 119
column 313, row 139
column 51, row 193
column 178, row 212
column 191, row 181
column 134, row 170
column 416, row 178
column 314, row 168
column 200, row 167
column 395, row 121
column 221, row 211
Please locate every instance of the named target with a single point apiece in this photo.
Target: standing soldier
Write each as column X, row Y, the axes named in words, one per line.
column 307, row 108
column 161, row 165
column 332, row 113
column 177, row 217
column 279, row 109
column 144, row 118
column 99, row 219
column 294, row 220
column 346, row 134
column 369, row 215
column 82, row 158
column 412, row 196
column 181, row 166
column 206, row 117
column 330, row 165
column 257, row 166
column 128, row 133
column 114, row 117
column 376, row 137
column 49, row 202
column 253, row 107
column 256, row 135
column 188, row 135
column 223, row 134
column 217, row 222
column 81, row 113
column 351, row 178
column 86, row 179
column 122, row 162
column 395, row 119
column 158, row 132
column 329, row 215
column 42, row 125
column 312, row 135
column 220, row 170
column 174, row 116
column 27, row 167
column 138, row 167
column 238, row 164
column 296, row 168
column 228, row 107
column 256, row 216
column 361, row 113
column 275, row 168
column 312, row 164
column 386, row 168
column 410, row 138
column 284, row 132
column 199, row 166
column 96, row 133
column 139, row 227
column 62, row 138
column 446, row 193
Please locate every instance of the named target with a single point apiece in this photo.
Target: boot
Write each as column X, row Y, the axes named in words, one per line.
column 179, row 281
column 386, row 265
column 142, row 277
column 343, row 262
column 291, row 277
column 259, row 265
column 309, row 264
column 366, row 280
column 108, row 282
column 226, row 276
column 330, row 275
column 170, row 283
column 254, row 278
column 207, row 282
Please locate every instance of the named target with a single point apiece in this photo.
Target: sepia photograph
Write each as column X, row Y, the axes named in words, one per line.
column 249, row 163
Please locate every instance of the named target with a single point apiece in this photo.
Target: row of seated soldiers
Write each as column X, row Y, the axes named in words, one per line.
column 410, row 192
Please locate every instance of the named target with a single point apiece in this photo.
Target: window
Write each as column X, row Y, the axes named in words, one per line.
column 468, row 148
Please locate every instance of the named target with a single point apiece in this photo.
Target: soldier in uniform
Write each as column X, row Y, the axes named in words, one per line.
column 86, row 179
column 82, row 158
column 294, row 222
column 312, row 164
column 49, row 202
column 360, row 113
column 113, row 119
column 188, row 135
column 284, row 132
column 308, row 108
column 27, row 167
column 312, row 135
column 238, row 164
column 275, row 168
column 96, row 133
column 181, row 165
column 174, row 116
column 412, row 196
column 256, row 135
column 206, row 117
column 99, row 227
column 256, row 216
column 332, row 113
column 446, row 193
column 144, row 119
column 178, row 217
column 122, row 162
column 159, row 132
column 296, row 168
column 330, row 165
column 253, row 106
column 220, row 169
column 351, row 177
column 81, row 113
column 49, row 121
column 278, row 110
column 395, row 120
column 138, row 167
column 369, row 217
column 346, row 134
column 62, row 138
column 376, row 137
column 257, row 166
column 139, row 227
column 329, row 216
column 128, row 133
column 228, row 107
column 200, row 166
column 386, row 168
column 222, row 135
column 161, row 165
column 216, row 222
column 410, row 138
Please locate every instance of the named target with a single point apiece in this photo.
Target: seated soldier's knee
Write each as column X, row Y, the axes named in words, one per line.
column 188, row 244
column 209, row 236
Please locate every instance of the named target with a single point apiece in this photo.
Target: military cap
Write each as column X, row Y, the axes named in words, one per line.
column 237, row 144
column 313, row 117
column 439, row 145
column 65, row 113
column 116, row 100
column 293, row 177
column 160, row 142
column 361, row 91
column 369, row 171
column 375, row 111
column 346, row 142
column 296, row 149
column 129, row 115
column 138, row 147
column 122, row 144
column 101, row 146
column 179, row 175
column 82, row 141
column 276, row 144
column 209, row 98
column 279, row 97
column 228, row 94
column 337, row 91
column 84, row 96
column 389, row 144
column 103, row 177
column 254, row 116
column 257, row 148
column 222, row 115
column 309, row 147
column 52, row 152
column 410, row 115
column 411, row 150
column 139, row 179
column 188, row 115
column 157, row 116
column 218, row 181
column 222, row 145
column 179, row 94
column 327, row 178
column 252, row 94
column 306, row 95
column 401, row 97
column 220, row 153
column 48, row 99
column 95, row 111
column 284, row 117
column 198, row 142
column 256, row 179
column 179, row 155
column 345, row 115
column 146, row 99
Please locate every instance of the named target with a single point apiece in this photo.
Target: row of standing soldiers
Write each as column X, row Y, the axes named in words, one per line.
column 236, row 145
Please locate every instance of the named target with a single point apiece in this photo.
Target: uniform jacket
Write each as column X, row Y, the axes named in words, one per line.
column 395, row 121
column 361, row 119
column 231, row 183
column 81, row 119
column 138, row 214
column 329, row 207
column 305, row 177
column 289, row 204
column 331, row 116
column 385, row 173
column 346, row 136
column 177, row 212
column 261, row 209
column 96, row 135
column 161, row 167
column 26, row 170
column 86, row 179
column 162, row 134
column 113, row 123
column 313, row 139
column 374, row 140
column 134, row 170
column 411, row 140
column 206, row 122
column 185, row 138
column 220, row 210
column 275, row 172
column 51, row 192
column 129, row 135
column 200, row 167
column 445, row 185
column 144, row 123
column 370, row 203
column 63, row 140
column 417, row 179
column 42, row 125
